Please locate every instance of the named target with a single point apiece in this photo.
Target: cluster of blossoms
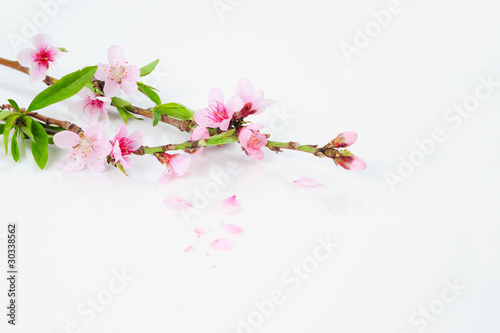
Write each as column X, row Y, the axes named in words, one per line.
column 93, row 149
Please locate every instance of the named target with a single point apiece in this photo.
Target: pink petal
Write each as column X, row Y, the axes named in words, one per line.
column 354, row 164
column 188, row 249
column 25, row 57
column 134, row 72
column 76, row 106
column 137, row 138
column 255, row 126
column 199, row 133
column 54, row 52
column 116, row 55
column 255, row 154
column 245, row 89
column 345, row 139
column 228, row 205
column 41, row 41
column 215, row 94
column 37, row 73
column 129, row 87
column 222, row 244
column 71, row 162
column 180, row 164
column 176, row 202
column 232, row 229
column 102, row 72
column 66, row 139
column 234, row 104
column 94, row 131
column 200, row 117
column 201, row 230
column 224, row 125
column 165, row 177
column 307, row 182
column 111, row 88
column 95, row 161
column 121, row 131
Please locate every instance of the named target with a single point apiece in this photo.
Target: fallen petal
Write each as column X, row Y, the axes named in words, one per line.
column 307, row 182
column 232, row 229
column 228, row 205
column 201, row 230
column 222, row 244
column 176, row 202
column 189, row 248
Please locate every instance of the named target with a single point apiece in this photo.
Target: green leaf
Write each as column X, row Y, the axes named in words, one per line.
column 40, row 146
column 6, row 132
column 5, row 114
column 126, row 115
column 156, row 117
column 118, row 102
column 175, row 110
column 27, row 129
column 222, row 138
column 63, row 49
column 66, row 87
column 2, row 127
column 149, row 92
column 14, row 147
column 149, row 68
column 14, row 104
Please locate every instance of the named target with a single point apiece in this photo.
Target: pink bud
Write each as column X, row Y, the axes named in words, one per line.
column 344, row 139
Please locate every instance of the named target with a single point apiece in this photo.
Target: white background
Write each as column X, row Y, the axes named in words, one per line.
column 396, row 247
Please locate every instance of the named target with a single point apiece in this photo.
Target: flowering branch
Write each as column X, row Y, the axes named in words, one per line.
column 222, row 122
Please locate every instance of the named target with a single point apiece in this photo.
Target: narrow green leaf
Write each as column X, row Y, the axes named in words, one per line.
column 27, row 129
column 220, row 141
column 40, row 146
column 63, row 49
column 149, row 68
column 156, row 117
column 2, row 127
column 118, row 102
column 175, row 110
column 14, row 147
column 126, row 115
column 6, row 132
column 149, row 92
column 13, row 104
column 66, row 87
column 5, row 114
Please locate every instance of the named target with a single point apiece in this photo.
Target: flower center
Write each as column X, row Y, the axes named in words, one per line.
column 118, row 73
column 217, row 112
column 43, row 57
column 86, row 147
column 253, row 142
column 92, row 105
column 125, row 146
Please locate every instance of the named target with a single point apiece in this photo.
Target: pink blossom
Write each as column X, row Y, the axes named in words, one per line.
column 218, row 114
column 344, row 139
column 92, row 106
column 252, row 140
column 39, row 58
column 228, row 205
column 90, row 148
column 125, row 144
column 118, row 74
column 348, row 161
column 254, row 101
column 199, row 133
column 177, row 165
column 307, row 182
